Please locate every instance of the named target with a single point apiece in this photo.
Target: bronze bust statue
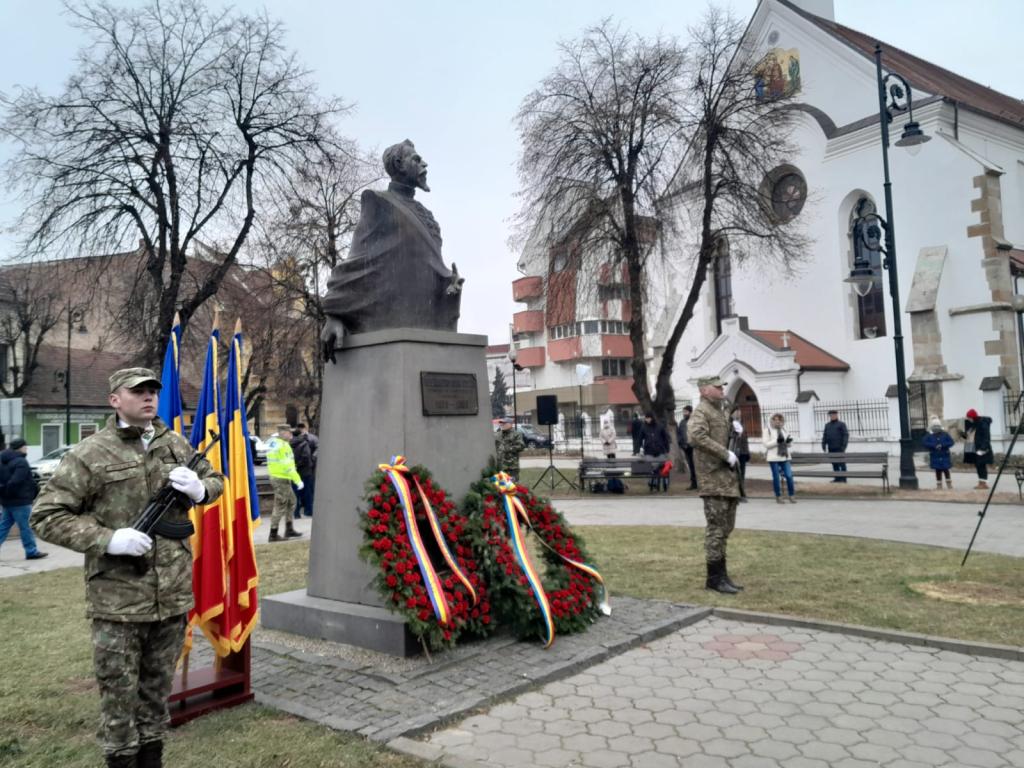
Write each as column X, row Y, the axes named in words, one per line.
column 394, row 276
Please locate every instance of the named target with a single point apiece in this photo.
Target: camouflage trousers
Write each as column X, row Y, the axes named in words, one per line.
column 720, row 513
column 284, row 501
column 134, row 664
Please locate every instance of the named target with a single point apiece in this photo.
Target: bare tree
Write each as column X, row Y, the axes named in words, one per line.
column 304, row 237
column 624, row 133
column 601, row 138
column 29, row 310
column 175, row 124
column 739, row 139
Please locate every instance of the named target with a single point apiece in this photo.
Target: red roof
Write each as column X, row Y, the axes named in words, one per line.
column 90, row 371
column 924, row 75
column 809, row 357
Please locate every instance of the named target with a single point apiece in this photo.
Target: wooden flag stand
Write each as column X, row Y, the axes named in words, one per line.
column 200, row 691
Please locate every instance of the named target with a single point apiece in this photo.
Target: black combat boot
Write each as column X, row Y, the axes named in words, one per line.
column 716, row 581
column 274, row 535
column 121, row 761
column 289, row 530
column 151, row 755
column 725, row 576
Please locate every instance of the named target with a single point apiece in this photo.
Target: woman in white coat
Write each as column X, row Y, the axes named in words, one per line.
column 776, row 451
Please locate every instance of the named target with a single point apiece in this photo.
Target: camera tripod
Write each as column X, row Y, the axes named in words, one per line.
column 1002, row 466
column 552, row 470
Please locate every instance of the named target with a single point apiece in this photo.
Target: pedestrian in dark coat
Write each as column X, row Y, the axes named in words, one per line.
column 978, row 448
column 303, row 451
column 683, row 439
column 17, row 492
column 834, row 439
column 636, row 430
column 938, row 442
column 654, row 442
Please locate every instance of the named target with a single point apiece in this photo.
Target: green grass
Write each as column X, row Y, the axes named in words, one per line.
column 48, row 701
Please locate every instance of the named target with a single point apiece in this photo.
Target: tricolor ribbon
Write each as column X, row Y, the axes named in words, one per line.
column 396, row 472
column 514, row 512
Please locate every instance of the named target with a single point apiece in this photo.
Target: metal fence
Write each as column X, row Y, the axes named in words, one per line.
column 1012, row 410
column 789, row 413
column 863, row 418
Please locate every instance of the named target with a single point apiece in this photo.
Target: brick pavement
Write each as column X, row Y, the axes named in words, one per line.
column 742, row 695
column 382, row 698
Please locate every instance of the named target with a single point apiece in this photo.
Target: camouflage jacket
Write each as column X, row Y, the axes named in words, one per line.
column 509, row 445
column 103, row 484
column 708, row 431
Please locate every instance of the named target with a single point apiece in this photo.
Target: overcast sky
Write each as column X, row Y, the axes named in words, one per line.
column 450, row 75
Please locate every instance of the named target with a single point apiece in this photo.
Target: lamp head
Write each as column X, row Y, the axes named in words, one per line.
column 861, row 278
column 913, row 137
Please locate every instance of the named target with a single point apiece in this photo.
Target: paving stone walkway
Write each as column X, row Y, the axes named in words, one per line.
column 384, row 698
column 747, row 695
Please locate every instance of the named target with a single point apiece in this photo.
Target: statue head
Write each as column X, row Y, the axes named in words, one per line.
column 404, row 165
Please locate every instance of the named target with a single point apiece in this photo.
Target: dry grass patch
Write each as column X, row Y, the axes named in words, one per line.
column 969, row 592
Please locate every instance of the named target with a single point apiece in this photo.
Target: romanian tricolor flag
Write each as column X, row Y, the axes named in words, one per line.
column 169, row 407
column 209, row 572
column 241, row 503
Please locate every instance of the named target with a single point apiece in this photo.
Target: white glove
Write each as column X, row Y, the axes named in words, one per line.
column 185, row 480
column 299, row 485
column 128, row 541
column 732, row 459
column 738, row 427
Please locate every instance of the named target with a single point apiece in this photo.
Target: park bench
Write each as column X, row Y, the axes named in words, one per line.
column 593, row 470
column 880, row 460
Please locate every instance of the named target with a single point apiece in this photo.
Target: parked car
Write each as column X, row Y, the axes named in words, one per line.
column 533, row 438
column 43, row 469
column 259, row 450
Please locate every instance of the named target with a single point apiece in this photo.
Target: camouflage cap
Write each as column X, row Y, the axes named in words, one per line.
column 710, row 381
column 133, row 377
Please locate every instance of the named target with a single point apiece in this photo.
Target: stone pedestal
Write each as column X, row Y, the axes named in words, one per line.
column 373, row 408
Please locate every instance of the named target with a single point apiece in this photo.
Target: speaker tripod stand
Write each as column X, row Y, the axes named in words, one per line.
column 553, row 473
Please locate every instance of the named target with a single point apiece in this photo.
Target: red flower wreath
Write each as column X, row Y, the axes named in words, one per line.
column 571, row 593
column 399, row 581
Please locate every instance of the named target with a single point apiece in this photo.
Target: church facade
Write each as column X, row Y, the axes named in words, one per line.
column 801, row 343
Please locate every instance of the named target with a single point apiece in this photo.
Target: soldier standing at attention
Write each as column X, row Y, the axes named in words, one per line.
column 510, row 445
column 709, row 430
column 138, row 589
column 282, row 471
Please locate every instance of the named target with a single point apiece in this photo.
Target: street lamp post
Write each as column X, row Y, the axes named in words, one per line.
column 74, row 316
column 894, row 95
column 512, row 359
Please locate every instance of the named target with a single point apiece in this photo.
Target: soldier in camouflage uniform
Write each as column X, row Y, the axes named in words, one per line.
column 509, row 445
column 138, row 589
column 708, row 432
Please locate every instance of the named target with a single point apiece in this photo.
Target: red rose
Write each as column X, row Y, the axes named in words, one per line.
column 392, row 581
column 424, row 614
column 410, row 603
column 485, row 619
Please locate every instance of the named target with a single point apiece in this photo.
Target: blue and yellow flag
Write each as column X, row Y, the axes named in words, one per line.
column 209, row 578
column 241, row 503
column 169, row 407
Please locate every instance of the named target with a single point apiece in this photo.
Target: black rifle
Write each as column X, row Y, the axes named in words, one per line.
column 151, row 521
column 167, row 498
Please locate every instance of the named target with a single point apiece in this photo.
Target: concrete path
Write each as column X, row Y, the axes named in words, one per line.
column 13, row 562
column 921, row 522
column 745, row 695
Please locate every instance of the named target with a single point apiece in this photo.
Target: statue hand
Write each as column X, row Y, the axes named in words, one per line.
column 455, row 284
column 330, row 337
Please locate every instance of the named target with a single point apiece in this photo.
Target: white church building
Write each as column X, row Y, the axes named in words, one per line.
column 803, row 343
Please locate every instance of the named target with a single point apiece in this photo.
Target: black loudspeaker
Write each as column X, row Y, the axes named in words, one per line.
column 547, row 409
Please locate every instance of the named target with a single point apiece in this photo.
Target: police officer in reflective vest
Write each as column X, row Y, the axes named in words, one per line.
column 282, row 471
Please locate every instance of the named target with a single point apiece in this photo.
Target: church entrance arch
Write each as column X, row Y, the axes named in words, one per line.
column 750, row 410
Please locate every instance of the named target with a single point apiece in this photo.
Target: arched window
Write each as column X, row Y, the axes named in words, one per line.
column 722, row 271
column 870, row 308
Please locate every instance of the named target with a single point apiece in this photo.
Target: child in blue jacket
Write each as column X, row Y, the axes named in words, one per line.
column 938, row 442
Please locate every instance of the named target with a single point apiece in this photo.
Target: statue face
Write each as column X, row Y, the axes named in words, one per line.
column 413, row 170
